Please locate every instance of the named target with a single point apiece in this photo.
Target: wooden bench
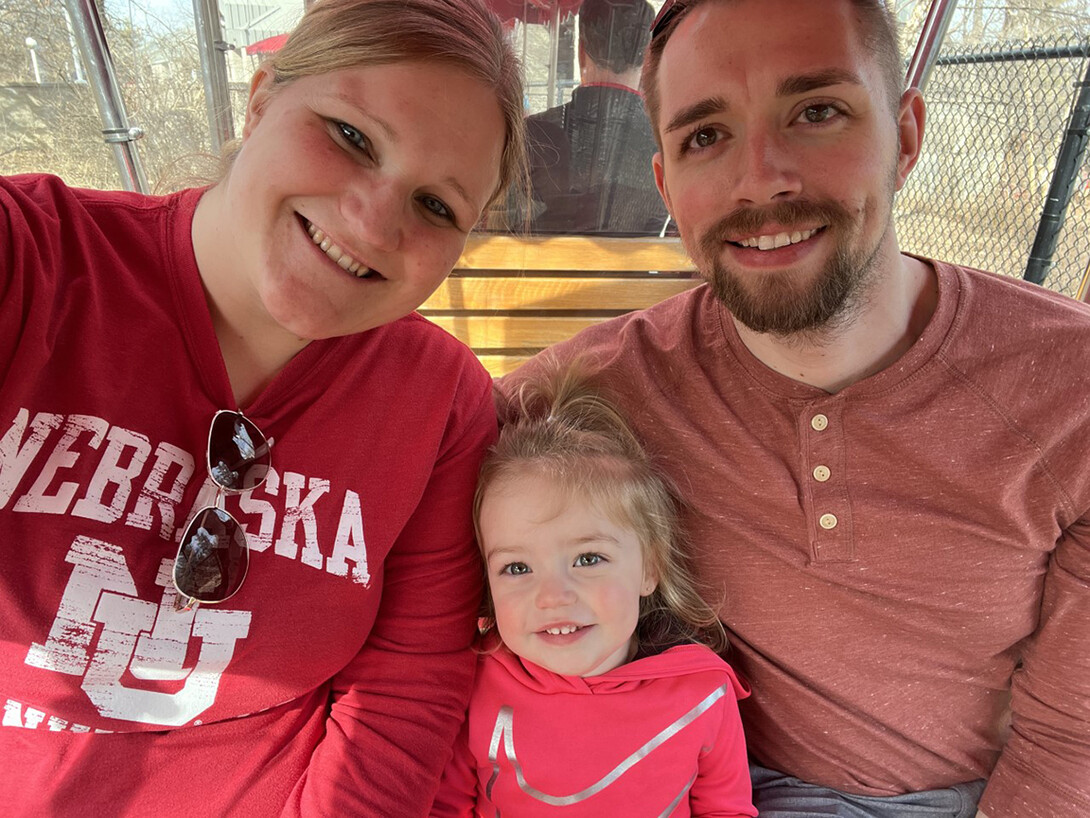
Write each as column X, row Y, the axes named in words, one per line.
column 510, row 297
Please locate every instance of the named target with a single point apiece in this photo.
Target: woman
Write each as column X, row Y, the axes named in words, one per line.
column 175, row 370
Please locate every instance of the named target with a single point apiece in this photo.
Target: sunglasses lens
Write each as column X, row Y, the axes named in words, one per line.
column 670, row 9
column 213, row 558
column 238, row 454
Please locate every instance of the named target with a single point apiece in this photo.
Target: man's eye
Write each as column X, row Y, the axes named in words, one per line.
column 815, row 114
column 588, row 559
column 515, row 569
column 435, row 206
column 703, row 138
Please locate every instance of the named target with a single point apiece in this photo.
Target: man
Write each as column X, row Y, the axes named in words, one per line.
column 884, row 458
column 589, row 158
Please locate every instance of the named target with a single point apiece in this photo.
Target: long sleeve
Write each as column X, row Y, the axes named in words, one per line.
column 457, row 796
column 1044, row 770
column 722, row 788
column 398, row 706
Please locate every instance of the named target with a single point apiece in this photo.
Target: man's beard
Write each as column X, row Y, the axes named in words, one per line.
column 783, row 303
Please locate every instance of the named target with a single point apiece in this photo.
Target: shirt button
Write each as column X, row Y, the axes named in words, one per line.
column 819, row 422
column 822, row 473
column 827, row 521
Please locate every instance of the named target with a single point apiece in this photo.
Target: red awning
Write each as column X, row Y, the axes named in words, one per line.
column 269, row 45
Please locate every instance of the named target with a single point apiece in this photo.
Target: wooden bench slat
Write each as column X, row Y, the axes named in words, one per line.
column 484, row 252
column 481, row 332
column 511, row 297
column 471, row 293
column 500, row 365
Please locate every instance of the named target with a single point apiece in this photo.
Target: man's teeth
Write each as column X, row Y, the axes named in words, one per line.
column 562, row 630
column 778, row 240
column 345, row 261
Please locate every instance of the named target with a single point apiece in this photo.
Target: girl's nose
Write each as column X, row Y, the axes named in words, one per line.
column 555, row 591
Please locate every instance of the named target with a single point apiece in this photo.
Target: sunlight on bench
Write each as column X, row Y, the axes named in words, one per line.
column 510, row 297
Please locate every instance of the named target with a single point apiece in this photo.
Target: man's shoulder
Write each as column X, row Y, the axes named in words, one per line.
column 1011, row 308
column 547, row 121
column 674, row 329
column 649, row 329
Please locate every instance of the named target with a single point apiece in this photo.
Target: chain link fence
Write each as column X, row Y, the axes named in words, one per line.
column 997, row 120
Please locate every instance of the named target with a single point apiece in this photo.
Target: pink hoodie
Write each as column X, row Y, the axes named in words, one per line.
column 659, row 736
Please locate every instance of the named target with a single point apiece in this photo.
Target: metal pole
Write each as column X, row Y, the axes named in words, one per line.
column 1062, row 186
column 554, row 55
column 927, row 47
column 77, row 63
column 212, row 46
column 111, row 107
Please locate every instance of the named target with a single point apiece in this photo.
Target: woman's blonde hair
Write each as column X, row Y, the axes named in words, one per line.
column 463, row 34
column 560, row 425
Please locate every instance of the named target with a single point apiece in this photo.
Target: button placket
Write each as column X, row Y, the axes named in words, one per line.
column 828, row 507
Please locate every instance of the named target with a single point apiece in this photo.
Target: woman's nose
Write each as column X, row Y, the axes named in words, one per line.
column 376, row 215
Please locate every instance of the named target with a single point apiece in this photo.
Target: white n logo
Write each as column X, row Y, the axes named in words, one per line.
column 147, row 639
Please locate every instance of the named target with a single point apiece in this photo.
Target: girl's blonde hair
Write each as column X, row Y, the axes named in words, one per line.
column 558, row 424
column 462, row 34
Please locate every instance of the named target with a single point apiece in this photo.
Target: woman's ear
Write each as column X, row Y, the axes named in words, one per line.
column 261, row 88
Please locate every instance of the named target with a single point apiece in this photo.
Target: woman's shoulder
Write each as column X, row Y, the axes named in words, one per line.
column 51, row 193
column 432, row 354
column 43, row 208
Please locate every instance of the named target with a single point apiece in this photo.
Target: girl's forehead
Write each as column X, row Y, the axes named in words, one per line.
column 559, row 489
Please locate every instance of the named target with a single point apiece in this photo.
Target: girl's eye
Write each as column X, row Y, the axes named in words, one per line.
column 703, row 138
column 351, row 135
column 515, row 569
column 436, row 207
column 816, row 114
column 584, row 560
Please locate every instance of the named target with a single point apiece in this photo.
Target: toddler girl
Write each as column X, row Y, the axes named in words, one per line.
column 599, row 691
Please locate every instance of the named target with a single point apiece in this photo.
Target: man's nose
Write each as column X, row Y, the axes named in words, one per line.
column 765, row 169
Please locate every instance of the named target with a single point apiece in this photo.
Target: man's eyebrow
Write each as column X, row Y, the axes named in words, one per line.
column 792, row 86
column 696, row 112
column 805, row 83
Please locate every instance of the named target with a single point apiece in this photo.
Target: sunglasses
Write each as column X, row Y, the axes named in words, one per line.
column 213, row 556
column 670, row 9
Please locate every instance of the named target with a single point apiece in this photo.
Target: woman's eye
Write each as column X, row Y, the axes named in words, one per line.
column 515, row 569
column 584, row 560
column 816, row 114
column 351, row 135
column 436, row 207
column 704, row 138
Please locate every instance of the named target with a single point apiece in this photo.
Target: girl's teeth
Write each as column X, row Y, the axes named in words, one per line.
column 564, row 630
